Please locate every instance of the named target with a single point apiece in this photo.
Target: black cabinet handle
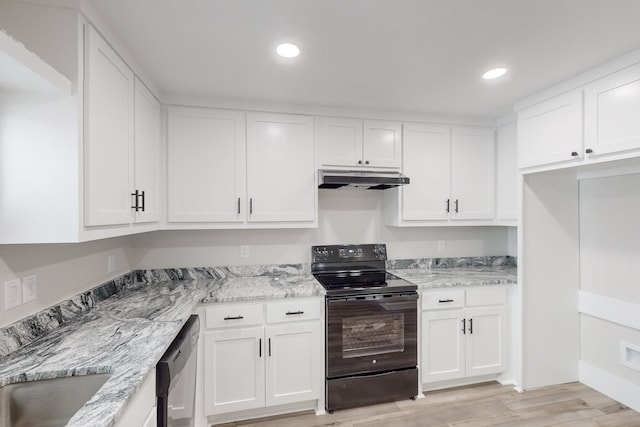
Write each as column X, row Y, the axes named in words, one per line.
column 448, row 205
column 234, row 318
column 470, row 326
column 456, row 206
column 135, row 197
column 464, row 326
column 250, row 205
column 143, row 201
column 238, row 205
column 366, row 162
column 269, row 347
column 574, row 154
column 359, row 162
column 290, row 313
column 445, row 300
column 589, row 151
column 260, row 348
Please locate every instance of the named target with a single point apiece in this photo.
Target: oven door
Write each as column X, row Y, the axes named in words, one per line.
column 371, row 333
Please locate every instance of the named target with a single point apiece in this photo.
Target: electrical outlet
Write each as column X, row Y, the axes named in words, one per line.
column 12, row 293
column 440, row 246
column 111, row 263
column 244, row 251
column 29, row 288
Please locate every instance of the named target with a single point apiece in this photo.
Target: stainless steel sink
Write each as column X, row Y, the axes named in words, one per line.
column 46, row 403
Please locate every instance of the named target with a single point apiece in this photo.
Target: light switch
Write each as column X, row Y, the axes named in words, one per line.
column 29, row 288
column 12, row 293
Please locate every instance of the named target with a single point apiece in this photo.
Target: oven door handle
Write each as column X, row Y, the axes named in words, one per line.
column 395, row 306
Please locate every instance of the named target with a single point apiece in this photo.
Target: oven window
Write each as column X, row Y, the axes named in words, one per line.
column 370, row 335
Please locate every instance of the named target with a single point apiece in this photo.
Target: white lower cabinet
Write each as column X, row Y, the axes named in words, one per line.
column 464, row 333
column 262, row 361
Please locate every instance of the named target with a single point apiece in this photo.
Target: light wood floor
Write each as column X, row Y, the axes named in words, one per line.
column 488, row 404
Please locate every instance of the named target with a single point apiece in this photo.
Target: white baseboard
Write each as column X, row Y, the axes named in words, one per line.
column 610, row 385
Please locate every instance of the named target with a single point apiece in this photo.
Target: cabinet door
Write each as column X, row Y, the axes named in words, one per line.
column 507, row 172
column 281, row 179
column 486, row 340
column 340, row 141
column 233, row 370
column 443, row 345
column 108, row 147
column 147, row 153
column 612, row 112
column 551, row 131
column 382, row 144
column 294, row 366
column 426, row 160
column 206, row 165
column 472, row 173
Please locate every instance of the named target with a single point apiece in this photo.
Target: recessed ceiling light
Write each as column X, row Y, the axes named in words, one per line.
column 494, row 73
column 288, row 50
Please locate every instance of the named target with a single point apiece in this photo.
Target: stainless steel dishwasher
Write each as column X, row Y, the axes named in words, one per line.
column 176, row 378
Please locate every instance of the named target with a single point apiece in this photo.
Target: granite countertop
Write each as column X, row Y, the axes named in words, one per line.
column 126, row 333
column 124, row 326
column 430, row 278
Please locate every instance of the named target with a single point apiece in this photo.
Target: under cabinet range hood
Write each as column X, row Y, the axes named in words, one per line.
column 369, row 180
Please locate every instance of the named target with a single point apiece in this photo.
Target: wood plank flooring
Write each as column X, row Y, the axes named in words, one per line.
column 487, row 404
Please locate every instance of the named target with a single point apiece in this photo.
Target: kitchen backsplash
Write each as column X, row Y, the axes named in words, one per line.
column 463, row 262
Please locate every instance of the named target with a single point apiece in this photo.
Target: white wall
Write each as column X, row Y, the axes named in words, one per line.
column 610, row 267
column 345, row 216
column 63, row 270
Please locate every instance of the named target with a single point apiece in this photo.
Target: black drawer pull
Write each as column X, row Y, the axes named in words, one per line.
column 445, row 300
column 589, row 151
column 289, row 313
column 234, row 318
column 574, row 154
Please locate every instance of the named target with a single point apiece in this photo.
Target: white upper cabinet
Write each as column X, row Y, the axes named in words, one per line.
column 612, row 113
column 472, row 173
column 223, row 176
column 354, row 143
column 281, row 179
column 507, row 174
column 382, row 144
column 551, row 131
column 427, row 160
column 147, row 155
column 206, row 165
column 452, row 177
column 109, row 88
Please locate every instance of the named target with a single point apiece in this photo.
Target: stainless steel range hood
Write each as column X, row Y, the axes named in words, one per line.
column 369, row 180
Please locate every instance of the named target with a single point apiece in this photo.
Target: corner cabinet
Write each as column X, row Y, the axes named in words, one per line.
column 464, row 333
column 359, row 144
column 229, row 169
column 262, row 356
column 95, row 158
column 452, row 172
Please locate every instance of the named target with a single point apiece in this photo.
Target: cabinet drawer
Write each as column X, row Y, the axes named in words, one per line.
column 443, row 299
column 487, row 296
column 234, row 315
column 292, row 311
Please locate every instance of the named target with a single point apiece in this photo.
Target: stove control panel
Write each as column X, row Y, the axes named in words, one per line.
column 347, row 253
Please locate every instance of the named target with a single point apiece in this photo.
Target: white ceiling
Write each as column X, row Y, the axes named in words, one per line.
column 422, row 56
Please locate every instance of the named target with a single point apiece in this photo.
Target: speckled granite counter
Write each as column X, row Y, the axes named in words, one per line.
column 432, row 273
column 123, row 327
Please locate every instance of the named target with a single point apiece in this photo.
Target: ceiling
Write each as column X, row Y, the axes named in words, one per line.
column 424, row 56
